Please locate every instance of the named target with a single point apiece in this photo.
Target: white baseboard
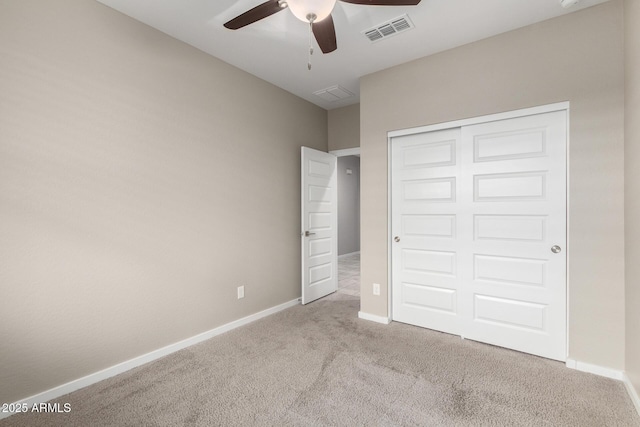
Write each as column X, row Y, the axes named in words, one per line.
column 79, row 383
column 374, row 318
column 633, row 393
column 349, row 254
column 595, row 369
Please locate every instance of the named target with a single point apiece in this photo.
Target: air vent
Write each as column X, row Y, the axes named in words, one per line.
column 333, row 93
column 389, row 28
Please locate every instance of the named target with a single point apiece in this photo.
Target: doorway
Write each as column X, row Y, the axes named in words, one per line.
column 348, row 177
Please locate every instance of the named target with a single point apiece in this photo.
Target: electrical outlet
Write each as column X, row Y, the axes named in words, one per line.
column 376, row 288
column 240, row 292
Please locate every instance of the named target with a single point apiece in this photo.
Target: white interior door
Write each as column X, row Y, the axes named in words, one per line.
column 479, row 213
column 319, row 224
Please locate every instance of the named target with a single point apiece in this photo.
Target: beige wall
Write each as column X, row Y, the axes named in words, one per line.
column 344, row 127
column 632, row 188
column 141, row 182
column 576, row 58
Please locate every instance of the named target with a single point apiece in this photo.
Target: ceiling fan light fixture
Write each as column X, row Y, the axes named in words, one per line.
column 568, row 3
column 302, row 9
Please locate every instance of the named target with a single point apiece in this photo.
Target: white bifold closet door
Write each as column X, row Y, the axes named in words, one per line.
column 479, row 232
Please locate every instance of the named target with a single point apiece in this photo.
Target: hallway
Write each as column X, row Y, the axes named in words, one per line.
column 349, row 274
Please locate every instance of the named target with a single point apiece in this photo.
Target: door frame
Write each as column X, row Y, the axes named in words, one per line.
column 346, row 152
column 548, row 108
column 336, row 154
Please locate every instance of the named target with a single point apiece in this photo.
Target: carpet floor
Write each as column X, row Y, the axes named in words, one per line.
column 320, row 365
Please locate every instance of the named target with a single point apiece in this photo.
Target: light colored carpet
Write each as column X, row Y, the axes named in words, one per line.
column 320, row 365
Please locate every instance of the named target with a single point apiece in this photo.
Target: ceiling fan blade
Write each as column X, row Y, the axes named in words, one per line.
column 257, row 13
column 384, row 2
column 325, row 33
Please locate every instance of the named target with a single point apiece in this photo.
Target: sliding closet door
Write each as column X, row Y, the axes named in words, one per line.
column 479, row 232
column 425, row 187
column 514, row 292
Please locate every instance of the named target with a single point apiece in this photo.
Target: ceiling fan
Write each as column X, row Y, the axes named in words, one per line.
column 317, row 13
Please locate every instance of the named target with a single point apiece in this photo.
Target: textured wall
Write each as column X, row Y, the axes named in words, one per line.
column 578, row 58
column 141, row 182
column 632, row 188
column 344, row 127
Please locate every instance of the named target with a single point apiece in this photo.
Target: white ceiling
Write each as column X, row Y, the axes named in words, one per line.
column 276, row 48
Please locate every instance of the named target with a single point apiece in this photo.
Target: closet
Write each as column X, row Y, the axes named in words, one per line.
column 478, row 231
